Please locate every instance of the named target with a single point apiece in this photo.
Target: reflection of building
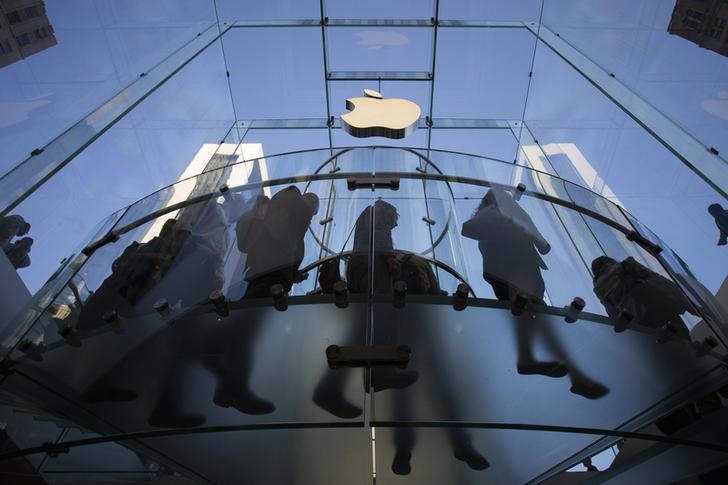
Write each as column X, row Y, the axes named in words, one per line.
column 24, row 30
column 702, row 22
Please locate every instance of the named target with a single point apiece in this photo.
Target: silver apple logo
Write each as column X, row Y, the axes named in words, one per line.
column 375, row 116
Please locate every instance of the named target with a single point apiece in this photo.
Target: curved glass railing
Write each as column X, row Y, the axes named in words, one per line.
column 191, row 308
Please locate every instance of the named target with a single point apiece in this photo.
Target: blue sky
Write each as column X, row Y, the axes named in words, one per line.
column 278, row 73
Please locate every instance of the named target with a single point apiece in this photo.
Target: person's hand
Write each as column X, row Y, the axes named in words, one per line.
column 722, row 242
column 543, row 247
column 394, row 266
column 300, row 276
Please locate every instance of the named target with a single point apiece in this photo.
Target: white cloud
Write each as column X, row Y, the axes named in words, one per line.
column 376, row 39
column 16, row 112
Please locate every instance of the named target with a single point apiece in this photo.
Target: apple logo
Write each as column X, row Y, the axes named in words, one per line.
column 375, row 116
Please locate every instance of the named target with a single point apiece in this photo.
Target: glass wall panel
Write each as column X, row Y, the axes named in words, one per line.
column 271, row 142
column 174, row 132
column 503, row 456
column 650, row 47
column 94, row 50
column 323, row 456
column 500, row 144
column 594, row 144
column 487, row 365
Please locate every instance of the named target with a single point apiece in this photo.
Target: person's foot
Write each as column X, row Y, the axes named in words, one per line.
column 548, row 369
column 401, row 463
column 175, row 419
column 589, row 389
column 245, row 402
column 110, row 394
column 475, row 460
column 383, row 379
column 334, row 403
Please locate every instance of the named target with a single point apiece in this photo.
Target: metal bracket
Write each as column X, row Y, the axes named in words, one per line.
column 366, row 356
column 354, row 183
column 108, row 238
column 634, row 236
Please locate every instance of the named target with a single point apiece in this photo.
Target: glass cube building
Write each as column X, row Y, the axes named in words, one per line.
column 207, row 278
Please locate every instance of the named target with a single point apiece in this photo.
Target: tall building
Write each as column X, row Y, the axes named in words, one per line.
column 702, row 22
column 24, row 30
column 423, row 242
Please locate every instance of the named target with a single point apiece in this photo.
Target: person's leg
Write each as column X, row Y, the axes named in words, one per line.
column 404, row 443
column 580, row 383
column 167, row 411
column 232, row 369
column 463, row 449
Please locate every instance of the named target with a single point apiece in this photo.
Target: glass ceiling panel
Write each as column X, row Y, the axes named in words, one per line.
column 379, row 49
column 492, row 10
column 500, row 144
column 650, row 50
column 276, row 72
column 482, row 73
column 379, row 9
column 273, row 141
column 232, row 10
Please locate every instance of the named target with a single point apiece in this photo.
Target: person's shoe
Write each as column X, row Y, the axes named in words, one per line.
column 401, row 463
column 175, row 420
column 475, row 460
column 245, row 402
column 589, row 389
column 110, row 394
column 335, row 404
column 548, row 369
column 391, row 379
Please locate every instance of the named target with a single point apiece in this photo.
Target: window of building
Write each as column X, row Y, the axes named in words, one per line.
column 14, row 17
column 715, row 34
column 23, row 39
column 32, row 12
column 693, row 24
column 41, row 33
column 695, row 14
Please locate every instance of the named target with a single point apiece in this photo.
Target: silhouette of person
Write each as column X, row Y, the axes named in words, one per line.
column 272, row 235
column 511, row 247
column 195, row 272
column 647, row 297
column 720, row 216
column 417, row 273
column 382, row 216
column 133, row 274
column 18, row 252
column 10, row 227
column 379, row 248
